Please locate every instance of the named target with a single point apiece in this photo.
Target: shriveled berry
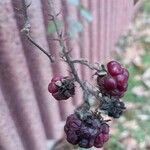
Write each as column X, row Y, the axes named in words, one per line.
column 61, row 87
column 60, row 96
column 72, row 138
column 98, row 144
column 114, row 107
column 84, row 132
column 105, row 128
column 100, row 140
column 86, row 143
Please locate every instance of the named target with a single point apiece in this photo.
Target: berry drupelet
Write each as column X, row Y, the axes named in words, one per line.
column 61, row 87
column 115, row 82
column 88, row 132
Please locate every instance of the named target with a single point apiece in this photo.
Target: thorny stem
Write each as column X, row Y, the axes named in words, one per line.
column 62, row 45
column 26, row 30
column 86, row 89
column 39, row 47
column 86, row 63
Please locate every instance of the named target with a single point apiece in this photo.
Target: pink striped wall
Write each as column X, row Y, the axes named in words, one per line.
column 29, row 114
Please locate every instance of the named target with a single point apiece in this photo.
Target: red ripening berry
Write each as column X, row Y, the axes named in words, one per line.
column 114, row 68
column 115, row 82
column 61, row 87
column 110, row 83
column 125, row 73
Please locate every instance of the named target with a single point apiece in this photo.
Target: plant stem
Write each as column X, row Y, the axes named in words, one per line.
column 26, row 30
column 62, row 45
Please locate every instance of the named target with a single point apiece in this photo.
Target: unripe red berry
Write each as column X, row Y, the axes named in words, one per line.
column 123, row 87
column 120, row 79
column 109, row 83
column 114, row 68
column 114, row 83
column 125, row 73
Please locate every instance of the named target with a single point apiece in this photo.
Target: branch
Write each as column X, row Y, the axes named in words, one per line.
column 86, row 63
column 87, row 90
column 26, row 30
column 62, row 45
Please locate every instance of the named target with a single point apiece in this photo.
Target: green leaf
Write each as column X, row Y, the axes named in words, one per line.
column 74, row 27
column 51, row 26
column 147, row 6
column 74, row 2
column 86, row 14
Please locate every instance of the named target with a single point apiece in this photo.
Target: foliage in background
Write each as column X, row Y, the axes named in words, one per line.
column 133, row 129
column 75, row 26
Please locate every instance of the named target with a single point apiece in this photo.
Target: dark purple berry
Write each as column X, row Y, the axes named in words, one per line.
column 100, row 140
column 72, row 138
column 86, row 133
column 105, row 128
column 86, row 143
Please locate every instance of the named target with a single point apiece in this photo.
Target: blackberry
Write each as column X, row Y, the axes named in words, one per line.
column 115, row 82
column 61, row 87
column 114, row 107
column 87, row 133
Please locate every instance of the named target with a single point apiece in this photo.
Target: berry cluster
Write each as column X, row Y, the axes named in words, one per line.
column 89, row 132
column 61, row 87
column 115, row 82
column 85, row 128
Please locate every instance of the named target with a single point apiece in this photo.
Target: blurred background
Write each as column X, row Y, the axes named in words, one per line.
column 99, row 31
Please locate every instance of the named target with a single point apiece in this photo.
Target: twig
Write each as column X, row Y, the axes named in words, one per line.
column 86, row 63
column 62, row 45
column 87, row 90
column 26, row 30
column 39, row 47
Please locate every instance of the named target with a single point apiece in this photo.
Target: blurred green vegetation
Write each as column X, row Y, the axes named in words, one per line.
column 134, row 124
